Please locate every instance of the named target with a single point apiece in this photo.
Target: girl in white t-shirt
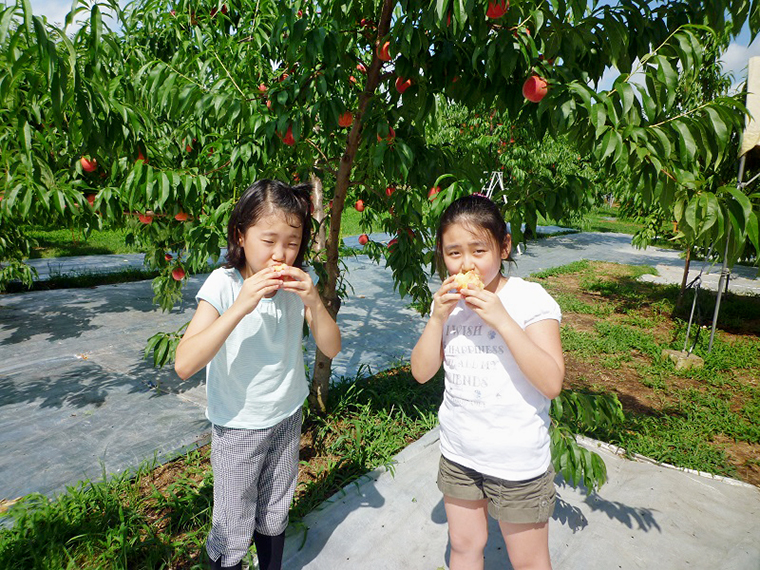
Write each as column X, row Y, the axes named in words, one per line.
column 502, row 357
column 247, row 332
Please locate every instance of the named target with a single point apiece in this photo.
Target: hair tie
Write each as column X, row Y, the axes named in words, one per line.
column 479, row 194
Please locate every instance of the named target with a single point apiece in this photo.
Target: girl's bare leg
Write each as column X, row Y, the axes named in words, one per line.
column 527, row 545
column 468, row 532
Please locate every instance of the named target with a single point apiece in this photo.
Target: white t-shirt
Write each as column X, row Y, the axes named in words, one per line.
column 257, row 378
column 492, row 418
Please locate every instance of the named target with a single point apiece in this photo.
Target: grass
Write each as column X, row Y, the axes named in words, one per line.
column 121, row 523
column 600, row 219
column 350, row 222
column 67, row 243
column 83, row 280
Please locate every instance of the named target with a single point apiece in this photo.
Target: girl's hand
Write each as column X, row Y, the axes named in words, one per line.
column 300, row 283
column 323, row 327
column 445, row 299
column 487, row 305
column 256, row 287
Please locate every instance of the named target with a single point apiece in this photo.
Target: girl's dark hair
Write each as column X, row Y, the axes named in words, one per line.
column 478, row 212
column 261, row 198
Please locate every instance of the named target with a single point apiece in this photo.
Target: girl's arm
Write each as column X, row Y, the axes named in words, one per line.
column 323, row 327
column 537, row 349
column 203, row 338
column 538, row 352
column 427, row 354
column 208, row 330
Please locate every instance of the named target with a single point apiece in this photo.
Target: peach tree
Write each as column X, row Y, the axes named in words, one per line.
column 157, row 121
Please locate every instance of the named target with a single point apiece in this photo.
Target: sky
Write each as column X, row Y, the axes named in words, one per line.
column 734, row 59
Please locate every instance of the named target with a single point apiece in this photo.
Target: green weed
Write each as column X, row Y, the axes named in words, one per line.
column 66, row 243
column 370, row 420
column 571, row 304
column 570, row 268
column 93, row 525
column 83, row 280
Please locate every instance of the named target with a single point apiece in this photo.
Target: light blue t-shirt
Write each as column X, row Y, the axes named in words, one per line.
column 257, row 378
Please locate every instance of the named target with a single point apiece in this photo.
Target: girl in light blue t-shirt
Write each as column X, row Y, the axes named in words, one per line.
column 247, row 332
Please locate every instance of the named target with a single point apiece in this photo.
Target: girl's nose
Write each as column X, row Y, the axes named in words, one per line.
column 278, row 254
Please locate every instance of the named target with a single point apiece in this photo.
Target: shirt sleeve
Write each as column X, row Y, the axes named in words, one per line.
column 545, row 306
column 213, row 291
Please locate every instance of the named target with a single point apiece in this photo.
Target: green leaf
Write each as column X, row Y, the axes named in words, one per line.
column 440, row 10
column 96, row 28
column 626, row 94
column 663, row 142
column 753, row 231
column 598, row 116
column 690, row 213
column 647, row 102
column 742, row 199
column 608, row 145
column 6, row 17
column 149, row 183
column 686, row 145
column 669, row 76
column 28, row 14
column 59, row 201
column 711, row 212
column 719, row 128
column 165, row 190
column 736, row 218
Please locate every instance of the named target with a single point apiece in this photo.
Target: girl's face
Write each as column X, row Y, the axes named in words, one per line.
column 272, row 240
column 464, row 248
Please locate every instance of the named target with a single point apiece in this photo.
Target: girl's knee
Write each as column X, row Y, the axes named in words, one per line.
column 467, row 540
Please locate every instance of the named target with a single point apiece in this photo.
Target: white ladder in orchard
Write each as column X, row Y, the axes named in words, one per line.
column 497, row 179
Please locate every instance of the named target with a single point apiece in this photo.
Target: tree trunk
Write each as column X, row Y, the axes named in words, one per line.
column 318, row 201
column 320, row 383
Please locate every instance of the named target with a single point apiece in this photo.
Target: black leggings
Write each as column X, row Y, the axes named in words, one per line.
column 269, row 550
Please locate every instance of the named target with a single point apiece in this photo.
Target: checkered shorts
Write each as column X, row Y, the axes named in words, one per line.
column 255, row 474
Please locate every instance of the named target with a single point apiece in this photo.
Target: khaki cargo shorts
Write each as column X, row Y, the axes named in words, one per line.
column 521, row 502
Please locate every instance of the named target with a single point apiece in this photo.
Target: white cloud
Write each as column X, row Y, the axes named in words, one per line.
column 736, row 58
column 55, row 11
